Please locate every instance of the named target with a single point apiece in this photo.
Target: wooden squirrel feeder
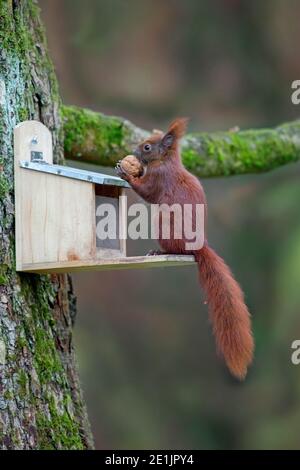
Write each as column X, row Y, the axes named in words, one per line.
column 56, row 213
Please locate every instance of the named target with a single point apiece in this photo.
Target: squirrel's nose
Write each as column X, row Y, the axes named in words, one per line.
column 137, row 153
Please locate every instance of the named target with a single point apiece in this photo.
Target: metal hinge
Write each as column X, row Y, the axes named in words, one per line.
column 36, row 156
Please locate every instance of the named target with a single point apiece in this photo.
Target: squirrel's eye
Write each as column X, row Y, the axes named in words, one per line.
column 147, row 147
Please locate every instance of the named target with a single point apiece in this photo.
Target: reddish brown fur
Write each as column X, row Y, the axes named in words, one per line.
column 178, row 128
column 167, row 181
column 228, row 312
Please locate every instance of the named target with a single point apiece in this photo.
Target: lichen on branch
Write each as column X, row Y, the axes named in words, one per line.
column 102, row 140
column 97, row 138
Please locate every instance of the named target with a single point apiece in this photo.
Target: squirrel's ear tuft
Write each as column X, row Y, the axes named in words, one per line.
column 178, row 127
column 176, row 130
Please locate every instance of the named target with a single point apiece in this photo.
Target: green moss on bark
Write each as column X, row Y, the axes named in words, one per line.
column 86, row 131
column 20, row 40
column 232, row 153
column 56, row 423
column 96, row 138
column 4, row 186
column 4, row 278
column 58, row 432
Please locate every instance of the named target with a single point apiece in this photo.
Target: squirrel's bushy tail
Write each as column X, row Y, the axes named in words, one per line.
column 229, row 314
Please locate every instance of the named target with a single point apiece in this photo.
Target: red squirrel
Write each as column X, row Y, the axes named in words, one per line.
column 165, row 180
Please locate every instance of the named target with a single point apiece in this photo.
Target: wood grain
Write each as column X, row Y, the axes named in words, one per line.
column 55, row 216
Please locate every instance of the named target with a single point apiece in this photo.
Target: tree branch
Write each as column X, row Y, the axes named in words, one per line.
column 95, row 138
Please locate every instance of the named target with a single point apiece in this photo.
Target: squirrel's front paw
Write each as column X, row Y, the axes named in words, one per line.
column 155, row 253
column 120, row 171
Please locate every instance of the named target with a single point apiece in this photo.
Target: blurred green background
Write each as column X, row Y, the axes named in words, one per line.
column 146, row 354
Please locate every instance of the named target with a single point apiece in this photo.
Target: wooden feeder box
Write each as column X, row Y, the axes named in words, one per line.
column 55, row 208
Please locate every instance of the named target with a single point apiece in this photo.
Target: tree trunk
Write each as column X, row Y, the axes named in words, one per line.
column 41, row 405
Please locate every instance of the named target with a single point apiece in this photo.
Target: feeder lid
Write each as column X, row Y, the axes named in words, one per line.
column 75, row 173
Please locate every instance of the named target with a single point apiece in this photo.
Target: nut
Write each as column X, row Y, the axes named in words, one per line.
column 131, row 166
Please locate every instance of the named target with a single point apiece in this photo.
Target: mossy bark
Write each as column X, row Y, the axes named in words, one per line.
column 41, row 404
column 95, row 138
